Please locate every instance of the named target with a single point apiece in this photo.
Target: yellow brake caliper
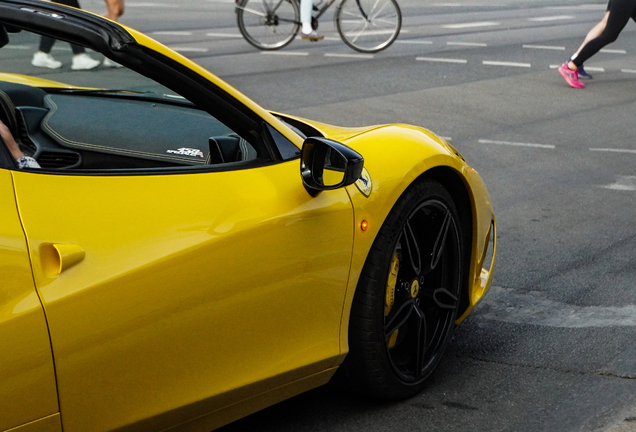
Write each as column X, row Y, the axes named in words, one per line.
column 390, row 296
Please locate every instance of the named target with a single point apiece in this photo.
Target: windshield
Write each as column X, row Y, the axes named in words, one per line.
column 70, row 108
column 65, row 65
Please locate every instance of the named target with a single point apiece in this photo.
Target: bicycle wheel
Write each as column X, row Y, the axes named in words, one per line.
column 268, row 24
column 368, row 25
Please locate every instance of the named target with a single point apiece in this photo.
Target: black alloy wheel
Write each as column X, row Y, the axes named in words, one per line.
column 407, row 299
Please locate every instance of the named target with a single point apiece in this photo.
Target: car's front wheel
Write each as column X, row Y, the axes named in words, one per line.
column 408, row 295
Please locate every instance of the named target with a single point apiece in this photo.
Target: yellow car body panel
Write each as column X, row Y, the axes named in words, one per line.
column 395, row 171
column 170, row 263
column 33, row 81
column 27, row 378
column 392, row 170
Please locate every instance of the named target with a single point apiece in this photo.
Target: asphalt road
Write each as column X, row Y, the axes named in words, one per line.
column 552, row 347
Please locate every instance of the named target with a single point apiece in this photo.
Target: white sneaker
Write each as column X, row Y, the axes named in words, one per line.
column 312, row 36
column 84, row 62
column 111, row 64
column 45, row 60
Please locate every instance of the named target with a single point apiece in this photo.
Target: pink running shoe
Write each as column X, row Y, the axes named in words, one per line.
column 570, row 76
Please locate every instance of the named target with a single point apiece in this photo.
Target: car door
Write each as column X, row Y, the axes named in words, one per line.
column 27, row 380
column 184, row 293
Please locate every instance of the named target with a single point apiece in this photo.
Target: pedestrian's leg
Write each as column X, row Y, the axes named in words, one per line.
column 115, row 9
column 594, row 33
column 618, row 15
column 46, row 44
column 77, row 49
column 43, row 58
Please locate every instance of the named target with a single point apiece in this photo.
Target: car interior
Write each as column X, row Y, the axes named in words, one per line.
column 80, row 123
column 69, row 130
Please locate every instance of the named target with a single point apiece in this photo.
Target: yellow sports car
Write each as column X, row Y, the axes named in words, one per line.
column 174, row 257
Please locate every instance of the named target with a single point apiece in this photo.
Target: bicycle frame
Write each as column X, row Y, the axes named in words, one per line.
column 365, row 27
column 321, row 11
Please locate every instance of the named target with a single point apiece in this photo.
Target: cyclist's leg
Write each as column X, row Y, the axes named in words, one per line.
column 305, row 18
column 305, row 13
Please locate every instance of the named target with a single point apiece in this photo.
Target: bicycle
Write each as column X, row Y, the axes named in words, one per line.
column 367, row 26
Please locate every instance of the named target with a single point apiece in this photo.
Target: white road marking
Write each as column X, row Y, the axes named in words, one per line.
column 449, row 139
column 517, row 144
column 613, row 51
column 285, row 53
column 509, row 305
column 441, row 60
column 587, row 68
column 461, row 4
column 469, row 25
column 588, row 6
column 371, row 32
column 189, row 49
column 613, row 150
column 551, row 18
column 417, row 42
column 19, row 47
column 300, row 37
column 545, row 47
column 152, row 5
column 173, row 33
column 508, row 64
column 623, row 183
column 360, row 56
column 326, row 38
column 628, row 70
column 224, row 35
column 475, row 44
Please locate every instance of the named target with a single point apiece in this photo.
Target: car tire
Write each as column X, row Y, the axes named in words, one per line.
column 408, row 295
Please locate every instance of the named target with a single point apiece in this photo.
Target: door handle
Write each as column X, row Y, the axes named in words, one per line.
column 57, row 257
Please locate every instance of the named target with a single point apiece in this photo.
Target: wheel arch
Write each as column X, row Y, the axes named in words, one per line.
column 393, row 173
column 458, row 190
column 451, row 179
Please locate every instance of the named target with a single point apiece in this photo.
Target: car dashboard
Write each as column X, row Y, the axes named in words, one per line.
column 66, row 129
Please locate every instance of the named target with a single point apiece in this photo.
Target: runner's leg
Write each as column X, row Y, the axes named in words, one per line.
column 619, row 13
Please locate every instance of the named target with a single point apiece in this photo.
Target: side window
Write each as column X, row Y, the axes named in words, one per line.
column 98, row 115
column 286, row 148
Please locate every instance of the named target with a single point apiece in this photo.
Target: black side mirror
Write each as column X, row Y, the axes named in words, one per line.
column 4, row 37
column 326, row 165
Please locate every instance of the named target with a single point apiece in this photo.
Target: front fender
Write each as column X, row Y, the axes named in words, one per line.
column 395, row 156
